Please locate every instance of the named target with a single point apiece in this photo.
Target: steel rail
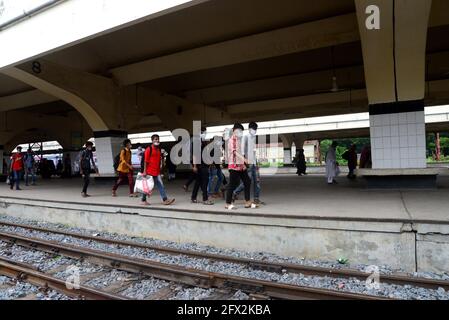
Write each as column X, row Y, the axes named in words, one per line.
column 256, row 264
column 28, row 274
column 188, row 276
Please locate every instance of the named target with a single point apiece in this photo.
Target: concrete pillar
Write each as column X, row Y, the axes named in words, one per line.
column 2, row 151
column 394, row 64
column 287, row 155
column 107, row 146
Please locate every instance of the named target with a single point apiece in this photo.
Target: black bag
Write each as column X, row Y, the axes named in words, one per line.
column 116, row 161
column 142, row 160
column 345, row 155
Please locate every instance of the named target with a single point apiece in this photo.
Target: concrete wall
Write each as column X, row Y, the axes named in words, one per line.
column 368, row 242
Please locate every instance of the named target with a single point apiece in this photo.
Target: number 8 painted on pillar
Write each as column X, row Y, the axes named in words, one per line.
column 36, row 67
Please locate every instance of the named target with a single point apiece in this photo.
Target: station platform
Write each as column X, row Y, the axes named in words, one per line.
column 303, row 217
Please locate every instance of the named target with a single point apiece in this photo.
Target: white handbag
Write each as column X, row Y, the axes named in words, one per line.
column 143, row 184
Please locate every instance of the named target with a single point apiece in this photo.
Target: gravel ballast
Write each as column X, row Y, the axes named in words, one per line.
column 352, row 285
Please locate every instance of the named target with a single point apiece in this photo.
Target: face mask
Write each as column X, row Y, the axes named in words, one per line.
column 239, row 133
column 252, row 132
column 156, row 143
column 203, row 136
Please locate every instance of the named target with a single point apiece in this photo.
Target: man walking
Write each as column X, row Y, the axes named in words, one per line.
column 249, row 152
column 30, row 167
column 16, row 168
column 86, row 163
column 125, row 169
column 351, row 156
column 332, row 169
column 237, row 168
column 152, row 166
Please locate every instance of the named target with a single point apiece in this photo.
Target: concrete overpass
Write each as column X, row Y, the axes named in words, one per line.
column 80, row 69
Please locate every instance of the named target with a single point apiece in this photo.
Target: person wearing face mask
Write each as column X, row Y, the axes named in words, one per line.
column 249, row 151
column 86, row 159
column 237, row 168
column 152, row 166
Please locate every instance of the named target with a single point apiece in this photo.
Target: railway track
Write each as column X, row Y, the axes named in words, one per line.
column 27, row 273
column 189, row 277
column 255, row 264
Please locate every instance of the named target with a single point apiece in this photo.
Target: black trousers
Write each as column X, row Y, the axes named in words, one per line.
column 86, row 180
column 193, row 177
column 234, row 182
column 202, row 180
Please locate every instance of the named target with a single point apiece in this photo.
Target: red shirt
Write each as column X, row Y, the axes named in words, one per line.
column 17, row 162
column 153, row 162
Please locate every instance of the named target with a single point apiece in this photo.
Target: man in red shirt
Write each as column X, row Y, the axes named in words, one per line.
column 17, row 168
column 152, row 167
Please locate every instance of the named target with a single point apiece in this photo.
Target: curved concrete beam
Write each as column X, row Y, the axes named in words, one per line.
column 91, row 116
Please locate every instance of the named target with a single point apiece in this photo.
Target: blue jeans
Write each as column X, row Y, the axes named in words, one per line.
column 160, row 186
column 17, row 176
column 252, row 172
column 214, row 172
column 30, row 171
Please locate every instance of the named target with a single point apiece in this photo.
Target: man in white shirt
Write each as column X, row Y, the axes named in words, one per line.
column 249, row 151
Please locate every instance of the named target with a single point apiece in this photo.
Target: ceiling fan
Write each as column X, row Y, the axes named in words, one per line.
column 335, row 87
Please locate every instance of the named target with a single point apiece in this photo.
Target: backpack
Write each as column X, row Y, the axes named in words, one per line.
column 117, row 160
column 142, row 160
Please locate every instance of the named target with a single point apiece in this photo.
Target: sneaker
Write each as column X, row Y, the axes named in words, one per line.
column 194, row 201
column 230, row 207
column 258, row 202
column 168, row 202
column 208, row 203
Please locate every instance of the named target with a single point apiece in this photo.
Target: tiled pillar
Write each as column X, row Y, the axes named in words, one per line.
column 107, row 146
column 398, row 140
column 287, row 155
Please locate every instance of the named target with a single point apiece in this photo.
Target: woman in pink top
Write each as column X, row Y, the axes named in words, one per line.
column 237, row 167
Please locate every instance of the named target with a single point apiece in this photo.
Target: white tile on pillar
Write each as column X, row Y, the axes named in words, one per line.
column 395, row 142
column 420, row 128
column 402, row 118
column 394, row 119
column 396, row 163
column 404, row 153
column 394, row 131
column 386, row 142
column 421, row 141
column 387, row 154
column 403, row 130
column 403, row 141
column 420, row 117
column 388, row 163
column 411, row 117
column 411, row 128
column 412, row 141
column 404, row 163
column 386, row 131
